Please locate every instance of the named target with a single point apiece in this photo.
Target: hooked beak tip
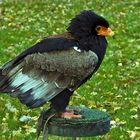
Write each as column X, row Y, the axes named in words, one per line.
column 110, row 32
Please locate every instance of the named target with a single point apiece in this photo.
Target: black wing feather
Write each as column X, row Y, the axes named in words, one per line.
column 47, row 45
column 42, row 72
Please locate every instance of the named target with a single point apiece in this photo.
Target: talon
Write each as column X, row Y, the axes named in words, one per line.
column 76, row 111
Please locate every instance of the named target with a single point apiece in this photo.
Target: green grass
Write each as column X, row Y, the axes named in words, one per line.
column 114, row 88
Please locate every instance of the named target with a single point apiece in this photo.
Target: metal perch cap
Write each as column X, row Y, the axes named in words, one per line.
column 93, row 123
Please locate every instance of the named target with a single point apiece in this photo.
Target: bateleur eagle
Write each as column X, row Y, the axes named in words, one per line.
column 54, row 68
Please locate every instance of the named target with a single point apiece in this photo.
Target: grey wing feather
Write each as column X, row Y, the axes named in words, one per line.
column 71, row 63
column 40, row 77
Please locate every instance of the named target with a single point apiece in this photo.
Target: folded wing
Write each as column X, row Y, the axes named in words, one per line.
column 39, row 77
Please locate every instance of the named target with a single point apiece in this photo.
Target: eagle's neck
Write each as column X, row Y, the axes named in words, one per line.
column 97, row 44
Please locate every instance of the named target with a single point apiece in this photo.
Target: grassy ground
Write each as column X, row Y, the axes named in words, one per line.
column 114, row 88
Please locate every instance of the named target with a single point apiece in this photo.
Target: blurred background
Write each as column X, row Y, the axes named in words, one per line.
column 115, row 88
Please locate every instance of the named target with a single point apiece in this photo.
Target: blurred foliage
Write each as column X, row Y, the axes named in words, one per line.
column 115, row 88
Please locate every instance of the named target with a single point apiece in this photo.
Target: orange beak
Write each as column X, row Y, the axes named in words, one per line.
column 105, row 31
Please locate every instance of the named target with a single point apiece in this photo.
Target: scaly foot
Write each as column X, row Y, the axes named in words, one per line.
column 71, row 114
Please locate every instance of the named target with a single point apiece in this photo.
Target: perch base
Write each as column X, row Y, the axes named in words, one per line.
column 93, row 123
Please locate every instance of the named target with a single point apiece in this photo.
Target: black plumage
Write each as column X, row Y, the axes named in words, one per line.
column 55, row 67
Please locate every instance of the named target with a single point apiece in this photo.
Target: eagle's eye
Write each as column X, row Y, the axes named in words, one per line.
column 98, row 28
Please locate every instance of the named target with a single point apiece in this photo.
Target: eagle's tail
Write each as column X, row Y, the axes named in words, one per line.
column 2, row 79
column 4, row 82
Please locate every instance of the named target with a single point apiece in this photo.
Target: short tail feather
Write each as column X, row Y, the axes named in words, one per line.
column 2, row 79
